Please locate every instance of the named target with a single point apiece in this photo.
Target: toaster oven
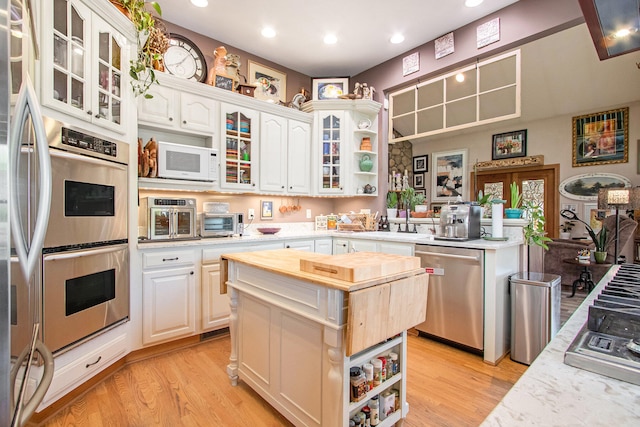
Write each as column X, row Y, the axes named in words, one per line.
column 221, row 224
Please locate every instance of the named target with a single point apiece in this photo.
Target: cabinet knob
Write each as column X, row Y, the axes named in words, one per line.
column 191, row 273
column 97, row 116
column 170, row 119
column 184, row 122
column 89, row 112
column 283, row 187
column 288, row 247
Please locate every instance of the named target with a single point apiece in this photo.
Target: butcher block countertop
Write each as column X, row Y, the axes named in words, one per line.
column 376, row 268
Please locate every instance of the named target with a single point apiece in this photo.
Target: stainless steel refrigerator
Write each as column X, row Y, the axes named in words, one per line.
column 26, row 365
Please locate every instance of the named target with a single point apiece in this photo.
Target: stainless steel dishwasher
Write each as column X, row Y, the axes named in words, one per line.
column 455, row 306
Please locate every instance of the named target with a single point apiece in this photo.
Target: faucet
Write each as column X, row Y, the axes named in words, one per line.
column 406, row 224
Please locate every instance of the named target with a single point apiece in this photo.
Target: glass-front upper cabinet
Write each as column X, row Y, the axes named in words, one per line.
column 331, row 134
column 83, row 59
column 239, row 147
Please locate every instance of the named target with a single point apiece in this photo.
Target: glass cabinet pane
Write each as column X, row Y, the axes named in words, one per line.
column 60, row 16
column 60, row 51
column 238, row 148
column 331, row 152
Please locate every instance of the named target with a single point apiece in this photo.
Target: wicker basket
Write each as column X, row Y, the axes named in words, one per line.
column 359, row 222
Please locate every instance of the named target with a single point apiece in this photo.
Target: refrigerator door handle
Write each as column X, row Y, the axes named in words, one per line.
column 27, row 105
column 24, row 411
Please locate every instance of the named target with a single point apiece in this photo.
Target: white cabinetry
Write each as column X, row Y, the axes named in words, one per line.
column 215, row 302
column 177, row 110
column 324, row 246
column 337, row 154
column 239, row 151
column 285, row 155
column 342, row 246
column 168, row 295
column 86, row 47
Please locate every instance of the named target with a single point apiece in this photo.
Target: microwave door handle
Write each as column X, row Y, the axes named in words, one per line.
column 174, row 223
column 29, row 253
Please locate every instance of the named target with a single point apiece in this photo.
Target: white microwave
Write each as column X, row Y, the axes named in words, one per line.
column 176, row 161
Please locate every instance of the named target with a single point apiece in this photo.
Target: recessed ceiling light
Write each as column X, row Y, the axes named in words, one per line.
column 200, row 3
column 330, row 39
column 268, row 32
column 473, row 3
column 397, row 38
column 459, row 77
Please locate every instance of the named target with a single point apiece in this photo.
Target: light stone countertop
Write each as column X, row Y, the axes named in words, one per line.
column 551, row 393
column 255, row 237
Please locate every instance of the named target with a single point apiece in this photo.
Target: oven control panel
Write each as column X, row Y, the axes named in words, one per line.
column 88, row 142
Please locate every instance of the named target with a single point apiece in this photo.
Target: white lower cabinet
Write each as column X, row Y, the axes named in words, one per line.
column 168, row 295
column 324, row 246
column 343, row 246
column 301, row 245
column 81, row 363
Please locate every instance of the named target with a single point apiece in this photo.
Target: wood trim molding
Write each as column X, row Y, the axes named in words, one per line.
column 510, row 163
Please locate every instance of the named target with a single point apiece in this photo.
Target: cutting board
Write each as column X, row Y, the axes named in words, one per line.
column 359, row 266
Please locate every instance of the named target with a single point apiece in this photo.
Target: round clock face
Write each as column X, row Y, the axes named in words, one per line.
column 184, row 59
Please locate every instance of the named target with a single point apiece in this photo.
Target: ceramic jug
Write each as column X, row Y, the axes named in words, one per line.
column 366, row 164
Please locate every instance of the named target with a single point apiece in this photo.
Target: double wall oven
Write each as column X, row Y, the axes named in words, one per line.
column 85, row 258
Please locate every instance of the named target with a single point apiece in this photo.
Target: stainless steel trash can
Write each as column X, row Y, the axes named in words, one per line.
column 535, row 313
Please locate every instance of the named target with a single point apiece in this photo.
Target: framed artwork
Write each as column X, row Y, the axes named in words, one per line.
column 420, row 163
column 601, row 138
column 418, row 180
column 422, row 191
column 594, row 216
column 411, row 63
column 586, row 186
column 330, row 88
column 449, row 175
column 271, row 85
column 436, row 210
column 508, row 145
column 266, row 209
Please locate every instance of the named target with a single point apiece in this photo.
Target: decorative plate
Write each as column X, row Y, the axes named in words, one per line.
column 269, row 230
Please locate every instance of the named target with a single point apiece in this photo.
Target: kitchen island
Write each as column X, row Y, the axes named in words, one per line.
column 296, row 335
column 551, row 393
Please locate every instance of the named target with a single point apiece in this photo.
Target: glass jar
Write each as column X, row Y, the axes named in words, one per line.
column 358, row 384
column 374, row 408
column 377, row 372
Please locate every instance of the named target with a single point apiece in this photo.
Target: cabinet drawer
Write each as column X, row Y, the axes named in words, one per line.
column 86, row 366
column 167, row 259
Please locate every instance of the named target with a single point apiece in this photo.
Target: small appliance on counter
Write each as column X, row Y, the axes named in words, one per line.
column 221, row 224
column 459, row 222
column 167, row 218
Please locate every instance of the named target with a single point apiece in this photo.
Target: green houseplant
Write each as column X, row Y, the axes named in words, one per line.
column 410, row 198
column 534, row 233
column 392, row 204
column 514, row 210
column 141, row 68
column 600, row 253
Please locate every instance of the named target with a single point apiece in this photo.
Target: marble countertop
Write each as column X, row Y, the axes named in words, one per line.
column 256, row 237
column 551, row 393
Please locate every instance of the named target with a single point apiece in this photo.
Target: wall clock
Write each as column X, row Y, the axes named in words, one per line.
column 184, row 59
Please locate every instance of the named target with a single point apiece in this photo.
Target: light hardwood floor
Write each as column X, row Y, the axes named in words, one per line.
column 189, row 387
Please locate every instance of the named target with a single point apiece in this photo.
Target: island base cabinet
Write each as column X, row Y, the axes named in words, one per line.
column 281, row 355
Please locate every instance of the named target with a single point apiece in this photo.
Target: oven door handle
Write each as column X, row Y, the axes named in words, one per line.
column 83, row 253
column 29, row 252
column 444, row 255
column 86, row 159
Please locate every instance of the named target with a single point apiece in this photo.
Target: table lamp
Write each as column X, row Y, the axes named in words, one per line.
column 618, row 198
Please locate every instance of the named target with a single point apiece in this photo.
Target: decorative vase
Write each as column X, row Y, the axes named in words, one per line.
column 366, row 164
column 392, row 213
column 513, row 213
column 600, row 256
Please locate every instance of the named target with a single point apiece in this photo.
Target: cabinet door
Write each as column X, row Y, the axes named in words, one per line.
column 161, row 109
column 302, row 245
column 298, row 158
column 324, row 246
column 363, row 246
column 197, row 113
column 396, row 248
column 168, row 304
column 110, row 100
column 331, row 124
column 340, row 246
column 215, row 306
column 240, row 148
column 273, row 146
column 65, row 57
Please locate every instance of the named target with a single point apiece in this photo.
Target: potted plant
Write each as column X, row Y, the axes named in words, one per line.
column 600, row 253
column 514, row 210
column 534, row 233
column 392, row 204
column 565, row 229
column 151, row 43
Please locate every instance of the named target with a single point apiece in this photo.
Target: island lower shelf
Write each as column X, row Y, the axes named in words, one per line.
column 294, row 337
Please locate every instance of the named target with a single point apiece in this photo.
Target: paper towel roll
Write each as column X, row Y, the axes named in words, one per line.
column 496, row 220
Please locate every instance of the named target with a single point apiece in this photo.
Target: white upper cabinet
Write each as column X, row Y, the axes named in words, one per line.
column 85, row 63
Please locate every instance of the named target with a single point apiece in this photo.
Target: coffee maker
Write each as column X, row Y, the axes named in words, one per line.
column 460, row 221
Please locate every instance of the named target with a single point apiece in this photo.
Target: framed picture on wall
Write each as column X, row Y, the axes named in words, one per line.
column 266, row 209
column 509, row 145
column 330, row 88
column 420, row 163
column 418, row 180
column 449, row 175
column 271, row 85
column 601, row 138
